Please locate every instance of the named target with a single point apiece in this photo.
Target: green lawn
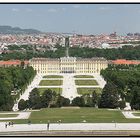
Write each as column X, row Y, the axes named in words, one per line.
column 69, row 115
column 136, row 114
column 88, row 90
column 53, row 76
column 84, row 76
column 8, row 115
column 57, row 90
column 86, row 82
column 51, row 82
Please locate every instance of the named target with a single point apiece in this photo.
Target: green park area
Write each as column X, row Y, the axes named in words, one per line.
column 77, row 115
column 51, row 83
column 83, row 76
column 53, row 76
column 136, row 114
column 8, row 115
column 83, row 91
column 86, row 82
column 57, row 90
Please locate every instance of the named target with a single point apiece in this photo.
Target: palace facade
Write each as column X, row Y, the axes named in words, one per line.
column 68, row 65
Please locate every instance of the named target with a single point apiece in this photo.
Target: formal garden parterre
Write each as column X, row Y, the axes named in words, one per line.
column 86, row 82
column 51, row 83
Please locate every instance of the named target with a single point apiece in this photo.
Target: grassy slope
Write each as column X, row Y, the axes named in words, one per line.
column 136, row 114
column 8, row 115
column 91, row 115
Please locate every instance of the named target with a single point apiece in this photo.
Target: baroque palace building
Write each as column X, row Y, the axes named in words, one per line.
column 68, row 64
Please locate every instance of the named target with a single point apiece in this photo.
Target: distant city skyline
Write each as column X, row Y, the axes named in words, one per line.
column 71, row 18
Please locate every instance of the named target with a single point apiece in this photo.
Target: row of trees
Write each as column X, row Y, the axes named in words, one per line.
column 126, row 79
column 108, row 99
column 29, row 54
column 51, row 99
column 13, row 80
column 48, row 99
column 126, row 52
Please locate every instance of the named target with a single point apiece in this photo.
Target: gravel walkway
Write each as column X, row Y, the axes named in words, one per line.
column 69, row 88
column 71, row 126
column 25, row 95
column 129, row 114
column 21, row 115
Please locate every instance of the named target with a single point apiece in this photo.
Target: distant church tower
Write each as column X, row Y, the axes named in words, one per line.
column 67, row 46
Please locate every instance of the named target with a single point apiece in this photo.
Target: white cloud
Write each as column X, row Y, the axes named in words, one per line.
column 52, row 10
column 104, row 8
column 15, row 10
column 76, row 6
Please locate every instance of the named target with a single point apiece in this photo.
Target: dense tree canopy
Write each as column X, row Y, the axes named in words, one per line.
column 34, row 99
column 126, row 52
column 13, row 82
column 78, row 101
column 135, row 102
column 109, row 96
column 48, row 99
column 126, row 78
column 22, row 104
column 62, row 101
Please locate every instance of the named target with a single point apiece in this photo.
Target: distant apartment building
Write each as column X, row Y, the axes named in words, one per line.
column 68, row 65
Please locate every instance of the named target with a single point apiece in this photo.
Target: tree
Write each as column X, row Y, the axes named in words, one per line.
column 91, row 100
column 22, row 104
column 66, row 102
column 6, row 85
column 48, row 98
column 22, row 64
column 135, row 102
column 122, row 104
column 88, row 101
column 13, row 79
column 109, row 97
column 78, row 101
column 34, row 99
column 61, row 101
column 95, row 99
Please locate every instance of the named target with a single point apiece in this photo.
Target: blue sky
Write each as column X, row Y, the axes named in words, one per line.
column 81, row 18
